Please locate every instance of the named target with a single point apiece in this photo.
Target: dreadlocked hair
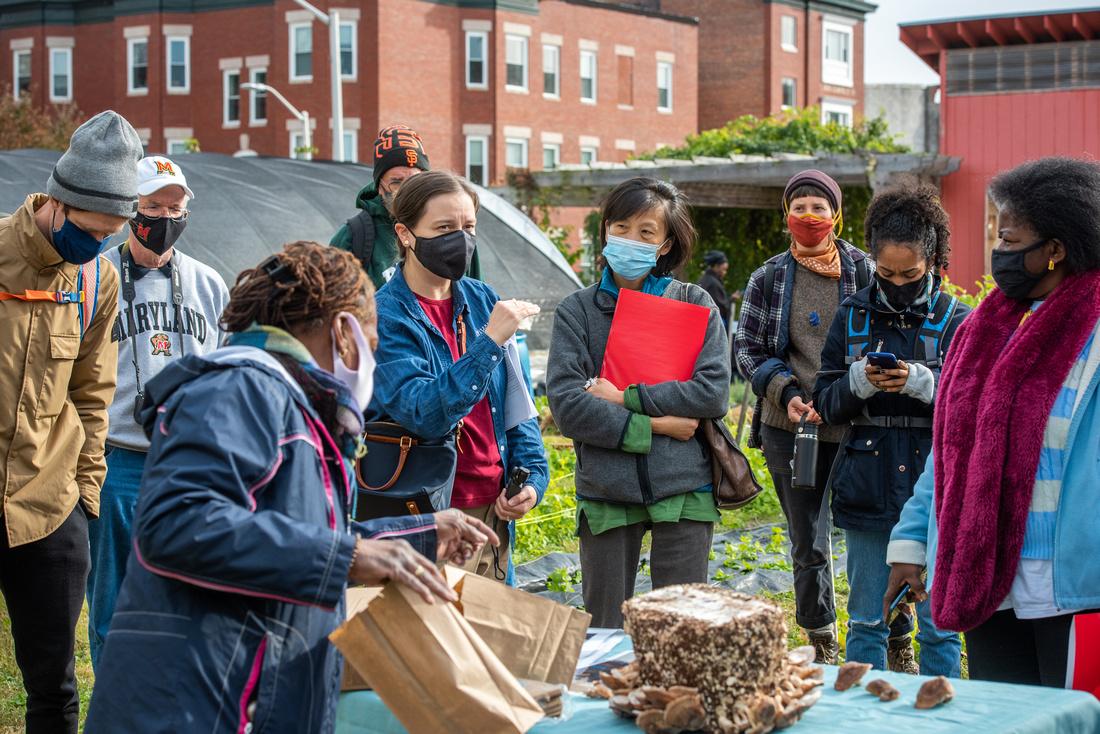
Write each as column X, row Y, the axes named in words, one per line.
column 305, row 285
column 912, row 215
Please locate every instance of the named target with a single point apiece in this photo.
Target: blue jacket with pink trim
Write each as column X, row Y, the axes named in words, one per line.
column 242, row 546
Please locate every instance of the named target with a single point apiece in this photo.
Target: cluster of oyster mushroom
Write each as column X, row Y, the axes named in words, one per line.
column 675, row 709
column 933, row 693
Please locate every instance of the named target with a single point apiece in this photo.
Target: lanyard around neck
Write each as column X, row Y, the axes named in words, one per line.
column 129, row 293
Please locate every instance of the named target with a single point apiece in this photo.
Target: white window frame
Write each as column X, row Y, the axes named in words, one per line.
column 15, row 70
column 783, row 92
column 593, row 150
column 792, row 21
column 297, row 140
column 525, row 47
column 556, row 148
column 226, row 122
column 484, row 141
column 354, row 25
column 68, row 96
column 840, row 108
column 586, row 53
column 131, row 90
column 254, row 94
column 292, row 74
column 186, row 41
column 837, row 73
column 524, row 146
column 556, row 52
column 175, row 146
column 661, row 65
column 351, row 146
column 484, row 83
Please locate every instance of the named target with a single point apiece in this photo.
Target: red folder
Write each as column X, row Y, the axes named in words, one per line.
column 1084, row 654
column 653, row 340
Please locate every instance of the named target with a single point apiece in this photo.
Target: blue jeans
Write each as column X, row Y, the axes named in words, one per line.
column 110, row 539
column 868, row 575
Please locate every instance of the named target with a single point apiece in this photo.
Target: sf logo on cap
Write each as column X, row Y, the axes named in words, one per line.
column 164, row 168
column 411, row 157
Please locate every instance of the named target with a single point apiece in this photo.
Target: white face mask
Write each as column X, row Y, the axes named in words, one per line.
column 361, row 381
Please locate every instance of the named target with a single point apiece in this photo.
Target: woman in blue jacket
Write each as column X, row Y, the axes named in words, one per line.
column 441, row 357
column 243, row 542
column 888, row 411
column 1004, row 517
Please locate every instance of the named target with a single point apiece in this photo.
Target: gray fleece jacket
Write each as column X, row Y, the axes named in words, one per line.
column 605, row 471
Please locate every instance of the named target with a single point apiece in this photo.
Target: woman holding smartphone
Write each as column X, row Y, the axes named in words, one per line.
column 878, row 377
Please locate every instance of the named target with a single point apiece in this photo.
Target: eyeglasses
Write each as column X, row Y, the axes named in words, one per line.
column 154, row 211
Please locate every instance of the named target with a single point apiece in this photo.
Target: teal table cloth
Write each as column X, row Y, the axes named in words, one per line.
column 978, row 708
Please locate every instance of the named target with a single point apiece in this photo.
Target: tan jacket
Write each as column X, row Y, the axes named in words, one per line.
column 54, row 386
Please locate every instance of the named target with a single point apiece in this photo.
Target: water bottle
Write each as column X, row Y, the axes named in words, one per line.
column 804, row 463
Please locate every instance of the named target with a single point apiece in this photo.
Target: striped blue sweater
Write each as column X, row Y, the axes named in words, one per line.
column 1039, row 536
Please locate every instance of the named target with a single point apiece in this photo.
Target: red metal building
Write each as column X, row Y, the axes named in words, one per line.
column 1012, row 89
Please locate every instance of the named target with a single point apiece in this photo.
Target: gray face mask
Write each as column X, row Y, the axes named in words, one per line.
column 447, row 255
column 387, row 199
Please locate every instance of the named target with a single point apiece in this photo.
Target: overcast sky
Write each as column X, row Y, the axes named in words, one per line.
column 888, row 60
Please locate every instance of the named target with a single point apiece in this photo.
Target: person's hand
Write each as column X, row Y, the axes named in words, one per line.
column 888, row 380
column 798, row 408
column 900, row 574
column 606, row 390
column 518, row 506
column 506, row 317
column 458, row 536
column 379, row 561
column 681, row 429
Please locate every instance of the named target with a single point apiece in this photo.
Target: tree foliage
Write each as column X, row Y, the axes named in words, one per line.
column 795, row 131
column 23, row 125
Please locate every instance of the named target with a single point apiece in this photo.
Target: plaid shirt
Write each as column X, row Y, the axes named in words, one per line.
column 762, row 330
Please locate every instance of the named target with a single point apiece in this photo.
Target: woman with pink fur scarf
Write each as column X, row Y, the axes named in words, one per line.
column 1004, row 516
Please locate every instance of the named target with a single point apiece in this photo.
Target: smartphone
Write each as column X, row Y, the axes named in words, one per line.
column 516, row 481
column 884, row 360
column 902, row 592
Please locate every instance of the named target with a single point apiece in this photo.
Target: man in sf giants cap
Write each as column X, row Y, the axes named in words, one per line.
column 398, row 155
column 57, row 378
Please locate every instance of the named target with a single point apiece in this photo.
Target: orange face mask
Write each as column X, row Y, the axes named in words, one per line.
column 809, row 230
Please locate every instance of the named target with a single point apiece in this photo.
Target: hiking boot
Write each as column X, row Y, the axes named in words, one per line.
column 899, row 655
column 826, row 647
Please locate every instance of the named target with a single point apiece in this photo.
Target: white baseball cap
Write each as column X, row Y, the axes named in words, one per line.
column 155, row 172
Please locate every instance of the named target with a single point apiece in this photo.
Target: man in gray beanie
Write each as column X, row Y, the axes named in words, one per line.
column 57, row 379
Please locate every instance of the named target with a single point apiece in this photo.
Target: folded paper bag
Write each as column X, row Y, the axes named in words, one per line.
column 535, row 638
column 431, row 669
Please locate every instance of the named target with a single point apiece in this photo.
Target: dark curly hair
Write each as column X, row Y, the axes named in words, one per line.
column 909, row 214
column 305, row 285
column 1060, row 199
column 641, row 194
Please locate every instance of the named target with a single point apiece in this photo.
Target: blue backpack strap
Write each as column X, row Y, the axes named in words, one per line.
column 858, row 334
column 934, row 327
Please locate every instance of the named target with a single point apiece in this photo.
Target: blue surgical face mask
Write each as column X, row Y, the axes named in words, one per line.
column 75, row 245
column 630, row 258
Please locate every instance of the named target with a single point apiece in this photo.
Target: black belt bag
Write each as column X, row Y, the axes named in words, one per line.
column 404, row 474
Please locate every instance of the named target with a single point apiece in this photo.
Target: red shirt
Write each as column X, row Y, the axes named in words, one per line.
column 479, row 476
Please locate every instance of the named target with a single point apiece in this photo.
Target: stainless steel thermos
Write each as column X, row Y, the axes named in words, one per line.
column 804, row 463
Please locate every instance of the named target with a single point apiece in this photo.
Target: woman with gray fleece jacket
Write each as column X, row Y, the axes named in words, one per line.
column 639, row 466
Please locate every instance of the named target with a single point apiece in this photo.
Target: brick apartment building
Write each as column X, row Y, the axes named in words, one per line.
column 760, row 56
column 488, row 83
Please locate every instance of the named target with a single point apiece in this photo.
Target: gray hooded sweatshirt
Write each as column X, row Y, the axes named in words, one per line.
column 604, row 471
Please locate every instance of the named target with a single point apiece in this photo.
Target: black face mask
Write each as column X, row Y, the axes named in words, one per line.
column 447, row 255
column 1011, row 274
column 900, row 296
column 157, row 234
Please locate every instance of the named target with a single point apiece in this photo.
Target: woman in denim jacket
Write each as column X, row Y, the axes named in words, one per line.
column 441, row 357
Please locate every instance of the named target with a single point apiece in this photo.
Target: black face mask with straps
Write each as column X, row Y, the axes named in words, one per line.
column 157, row 234
column 1009, row 268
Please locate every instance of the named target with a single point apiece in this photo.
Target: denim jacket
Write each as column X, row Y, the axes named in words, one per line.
column 420, row 386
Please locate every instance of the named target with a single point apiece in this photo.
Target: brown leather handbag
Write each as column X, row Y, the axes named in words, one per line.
column 731, row 474
column 404, row 474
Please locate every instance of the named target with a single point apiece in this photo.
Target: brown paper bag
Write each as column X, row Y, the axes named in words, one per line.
column 357, row 599
column 431, row 669
column 535, row 638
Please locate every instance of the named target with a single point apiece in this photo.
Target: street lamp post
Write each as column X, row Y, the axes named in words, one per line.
column 301, row 115
column 332, row 20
